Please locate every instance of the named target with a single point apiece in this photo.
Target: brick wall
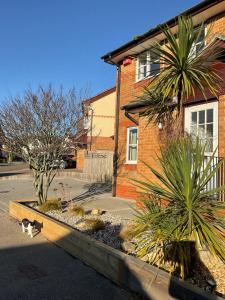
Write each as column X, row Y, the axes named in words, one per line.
column 129, row 91
column 217, row 25
column 101, row 143
column 80, row 159
column 150, row 137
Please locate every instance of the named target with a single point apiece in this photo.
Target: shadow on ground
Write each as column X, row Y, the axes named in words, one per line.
column 44, row 271
column 39, row 270
column 10, row 174
column 94, row 189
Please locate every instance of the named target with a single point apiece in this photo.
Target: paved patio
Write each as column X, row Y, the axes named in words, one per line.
column 90, row 195
column 37, row 269
column 116, row 206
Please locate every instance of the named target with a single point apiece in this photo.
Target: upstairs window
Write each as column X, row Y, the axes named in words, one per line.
column 199, row 44
column 132, row 145
column 148, row 64
column 86, row 121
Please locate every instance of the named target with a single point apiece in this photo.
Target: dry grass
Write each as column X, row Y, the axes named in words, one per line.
column 91, row 225
column 129, row 231
column 77, row 210
column 50, row 204
column 96, row 211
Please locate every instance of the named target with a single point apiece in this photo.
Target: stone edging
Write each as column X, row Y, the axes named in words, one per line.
column 19, row 176
column 121, row 268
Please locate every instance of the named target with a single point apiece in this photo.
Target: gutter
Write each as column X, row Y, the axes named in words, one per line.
column 156, row 30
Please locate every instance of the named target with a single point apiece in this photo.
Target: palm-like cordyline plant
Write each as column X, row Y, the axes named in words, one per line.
column 191, row 212
column 183, row 70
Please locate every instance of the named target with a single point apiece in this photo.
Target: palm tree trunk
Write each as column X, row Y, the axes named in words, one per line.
column 180, row 105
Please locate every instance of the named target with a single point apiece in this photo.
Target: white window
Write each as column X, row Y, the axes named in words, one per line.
column 132, row 145
column 202, row 121
column 148, row 64
column 86, row 121
column 199, row 45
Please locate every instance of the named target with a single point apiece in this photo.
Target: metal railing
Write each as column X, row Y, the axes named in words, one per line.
column 218, row 179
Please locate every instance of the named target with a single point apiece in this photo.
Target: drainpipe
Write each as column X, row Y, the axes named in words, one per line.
column 131, row 118
column 115, row 156
column 91, row 127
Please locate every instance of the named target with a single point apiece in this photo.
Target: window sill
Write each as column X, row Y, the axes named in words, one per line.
column 146, row 78
column 130, row 163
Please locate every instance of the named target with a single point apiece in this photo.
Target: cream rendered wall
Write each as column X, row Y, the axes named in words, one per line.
column 103, row 116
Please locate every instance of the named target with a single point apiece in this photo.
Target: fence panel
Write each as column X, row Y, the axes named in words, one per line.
column 99, row 165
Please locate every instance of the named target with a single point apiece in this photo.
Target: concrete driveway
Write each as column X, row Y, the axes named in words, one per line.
column 90, row 195
column 18, row 189
column 36, row 269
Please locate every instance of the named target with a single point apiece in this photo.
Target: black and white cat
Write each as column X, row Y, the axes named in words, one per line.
column 28, row 226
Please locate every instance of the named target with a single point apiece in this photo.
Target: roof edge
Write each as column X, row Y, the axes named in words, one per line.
column 154, row 31
column 99, row 95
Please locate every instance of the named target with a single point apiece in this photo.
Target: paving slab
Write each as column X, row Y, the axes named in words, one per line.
column 22, row 189
column 90, row 195
column 114, row 205
column 37, row 269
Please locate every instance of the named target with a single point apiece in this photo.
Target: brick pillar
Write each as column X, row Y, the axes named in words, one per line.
column 80, row 159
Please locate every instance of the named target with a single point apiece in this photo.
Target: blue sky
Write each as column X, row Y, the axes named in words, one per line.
column 61, row 41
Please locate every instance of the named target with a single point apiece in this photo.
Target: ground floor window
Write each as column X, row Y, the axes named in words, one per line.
column 132, row 144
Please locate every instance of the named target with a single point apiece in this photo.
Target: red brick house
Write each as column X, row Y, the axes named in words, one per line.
column 136, row 142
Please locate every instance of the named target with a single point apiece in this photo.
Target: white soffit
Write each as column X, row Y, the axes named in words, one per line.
column 197, row 19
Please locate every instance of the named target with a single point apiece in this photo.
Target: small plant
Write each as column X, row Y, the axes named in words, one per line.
column 96, row 211
column 77, row 210
column 93, row 224
column 51, row 204
column 129, row 231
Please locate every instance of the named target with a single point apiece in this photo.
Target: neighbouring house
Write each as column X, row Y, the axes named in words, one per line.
column 138, row 141
column 98, row 123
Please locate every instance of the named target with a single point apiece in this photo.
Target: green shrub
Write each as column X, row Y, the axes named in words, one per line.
column 77, row 210
column 187, row 217
column 51, row 204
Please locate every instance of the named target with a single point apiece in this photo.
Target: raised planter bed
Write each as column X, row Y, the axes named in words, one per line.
column 124, row 270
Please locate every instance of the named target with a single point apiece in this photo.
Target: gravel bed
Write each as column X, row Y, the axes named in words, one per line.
column 108, row 235
column 211, row 270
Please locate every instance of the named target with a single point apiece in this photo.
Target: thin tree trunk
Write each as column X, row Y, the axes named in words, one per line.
column 49, row 176
column 38, row 186
column 9, row 157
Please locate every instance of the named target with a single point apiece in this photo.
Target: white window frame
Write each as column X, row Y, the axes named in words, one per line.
column 128, row 145
column 139, row 77
column 193, row 50
column 205, row 106
column 86, row 122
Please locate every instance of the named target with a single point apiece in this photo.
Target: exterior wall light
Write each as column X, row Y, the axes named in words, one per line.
column 160, row 125
column 175, row 99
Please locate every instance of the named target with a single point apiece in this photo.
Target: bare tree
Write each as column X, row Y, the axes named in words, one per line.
column 41, row 127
